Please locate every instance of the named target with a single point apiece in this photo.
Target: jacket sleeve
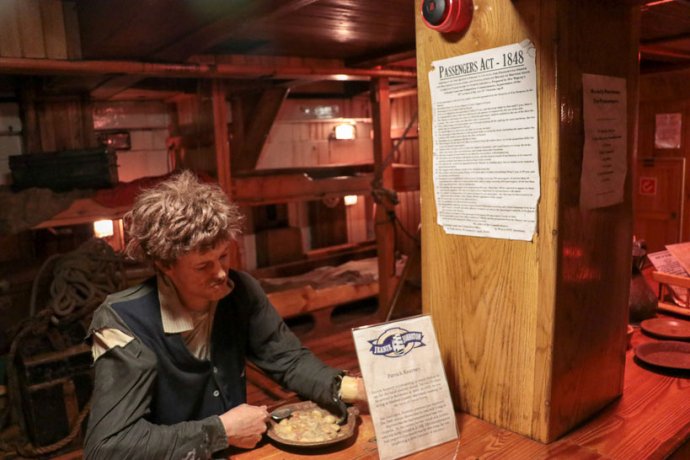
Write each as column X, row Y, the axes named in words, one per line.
column 117, row 427
column 278, row 352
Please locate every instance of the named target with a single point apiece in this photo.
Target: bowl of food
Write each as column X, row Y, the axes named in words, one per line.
column 309, row 425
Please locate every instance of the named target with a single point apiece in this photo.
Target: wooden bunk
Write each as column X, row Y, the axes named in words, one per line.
column 83, row 211
column 322, row 281
column 300, row 184
column 250, row 187
column 259, row 188
column 278, row 186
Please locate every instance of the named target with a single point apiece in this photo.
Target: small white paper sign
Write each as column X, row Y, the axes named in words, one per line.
column 681, row 251
column 667, row 130
column 604, row 161
column 666, row 262
column 408, row 393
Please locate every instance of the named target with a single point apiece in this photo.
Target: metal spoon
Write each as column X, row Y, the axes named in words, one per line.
column 280, row 414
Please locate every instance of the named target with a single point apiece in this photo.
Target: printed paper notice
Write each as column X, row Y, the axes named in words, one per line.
column 486, row 153
column 666, row 262
column 667, row 130
column 408, row 394
column 681, row 251
column 604, row 161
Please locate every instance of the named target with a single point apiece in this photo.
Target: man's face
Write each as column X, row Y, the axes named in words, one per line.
column 201, row 277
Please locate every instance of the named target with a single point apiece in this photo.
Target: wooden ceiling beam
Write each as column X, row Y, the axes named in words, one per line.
column 666, row 69
column 220, row 70
column 386, row 60
column 646, row 4
column 208, row 36
column 654, row 50
column 403, row 93
column 113, row 86
column 257, row 119
column 666, row 40
column 224, row 28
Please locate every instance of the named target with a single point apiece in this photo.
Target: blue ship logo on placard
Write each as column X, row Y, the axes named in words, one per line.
column 396, row 342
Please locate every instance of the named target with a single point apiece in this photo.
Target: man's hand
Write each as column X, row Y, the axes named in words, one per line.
column 352, row 389
column 244, row 425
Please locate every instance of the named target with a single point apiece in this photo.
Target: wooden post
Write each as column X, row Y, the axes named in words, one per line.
column 220, row 135
column 222, row 145
column 31, row 137
column 533, row 333
column 384, row 219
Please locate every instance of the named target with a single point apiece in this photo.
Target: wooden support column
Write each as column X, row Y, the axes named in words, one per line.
column 220, row 135
column 533, row 333
column 383, row 183
column 222, row 147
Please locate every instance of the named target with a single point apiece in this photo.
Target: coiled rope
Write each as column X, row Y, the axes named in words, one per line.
column 81, row 281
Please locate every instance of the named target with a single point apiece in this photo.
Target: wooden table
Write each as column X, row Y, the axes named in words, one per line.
column 650, row 421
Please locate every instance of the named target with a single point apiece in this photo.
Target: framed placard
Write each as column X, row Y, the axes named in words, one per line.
column 406, row 384
column 117, row 140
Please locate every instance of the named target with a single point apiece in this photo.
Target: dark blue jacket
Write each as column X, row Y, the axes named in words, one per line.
column 153, row 399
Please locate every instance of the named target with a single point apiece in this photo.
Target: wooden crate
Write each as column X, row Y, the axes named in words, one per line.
column 54, row 373
column 64, row 170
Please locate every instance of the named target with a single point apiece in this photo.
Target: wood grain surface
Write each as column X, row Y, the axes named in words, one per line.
column 650, row 421
column 532, row 333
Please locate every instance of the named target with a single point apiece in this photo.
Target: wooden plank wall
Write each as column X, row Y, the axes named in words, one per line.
column 666, row 93
column 194, row 129
column 294, row 144
column 147, row 123
column 39, row 29
column 53, row 123
column 10, row 138
column 297, row 140
column 46, row 29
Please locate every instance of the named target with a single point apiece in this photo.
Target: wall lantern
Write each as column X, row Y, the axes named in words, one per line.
column 350, row 200
column 344, row 131
column 103, row 228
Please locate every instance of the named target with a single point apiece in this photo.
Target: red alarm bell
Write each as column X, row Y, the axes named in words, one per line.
column 447, row 15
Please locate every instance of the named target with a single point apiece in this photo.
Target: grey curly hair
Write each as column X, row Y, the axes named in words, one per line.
column 177, row 216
